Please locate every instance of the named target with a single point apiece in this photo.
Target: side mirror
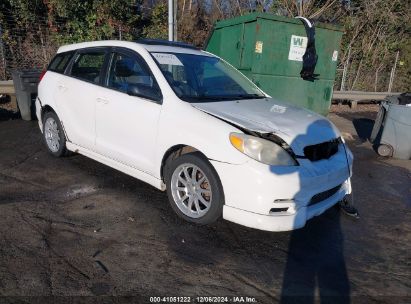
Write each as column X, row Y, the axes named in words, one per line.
column 141, row 90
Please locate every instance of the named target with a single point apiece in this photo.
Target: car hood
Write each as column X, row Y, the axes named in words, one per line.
column 296, row 126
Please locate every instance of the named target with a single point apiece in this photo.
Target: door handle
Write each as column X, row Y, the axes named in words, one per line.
column 102, row 100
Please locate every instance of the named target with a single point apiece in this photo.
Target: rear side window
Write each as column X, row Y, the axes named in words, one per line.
column 60, row 62
column 87, row 66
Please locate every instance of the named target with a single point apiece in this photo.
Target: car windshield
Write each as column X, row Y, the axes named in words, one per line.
column 202, row 78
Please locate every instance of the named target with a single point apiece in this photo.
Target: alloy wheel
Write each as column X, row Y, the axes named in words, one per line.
column 191, row 190
column 51, row 133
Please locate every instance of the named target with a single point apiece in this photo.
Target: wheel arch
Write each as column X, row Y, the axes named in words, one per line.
column 175, row 152
column 184, row 156
column 45, row 109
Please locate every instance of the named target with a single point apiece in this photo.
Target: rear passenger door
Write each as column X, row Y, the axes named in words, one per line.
column 126, row 125
column 76, row 95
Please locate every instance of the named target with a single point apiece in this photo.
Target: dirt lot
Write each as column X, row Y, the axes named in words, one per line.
column 74, row 227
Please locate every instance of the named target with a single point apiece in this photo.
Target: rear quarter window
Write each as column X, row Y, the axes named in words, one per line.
column 60, row 62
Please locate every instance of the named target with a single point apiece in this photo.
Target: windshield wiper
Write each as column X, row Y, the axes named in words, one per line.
column 248, row 96
column 201, row 98
column 193, row 98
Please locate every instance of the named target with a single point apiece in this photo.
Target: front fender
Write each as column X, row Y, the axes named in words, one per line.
column 182, row 124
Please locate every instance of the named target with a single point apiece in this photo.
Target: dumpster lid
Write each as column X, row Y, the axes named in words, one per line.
column 405, row 98
column 254, row 16
column 401, row 99
column 26, row 72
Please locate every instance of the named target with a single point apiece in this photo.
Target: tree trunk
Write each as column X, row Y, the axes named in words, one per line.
column 356, row 76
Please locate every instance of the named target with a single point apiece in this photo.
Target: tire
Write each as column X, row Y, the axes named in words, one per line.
column 53, row 135
column 190, row 200
column 385, row 150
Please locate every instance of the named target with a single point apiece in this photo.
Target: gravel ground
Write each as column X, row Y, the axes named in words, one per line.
column 74, row 230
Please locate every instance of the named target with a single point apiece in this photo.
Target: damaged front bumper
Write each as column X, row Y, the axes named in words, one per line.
column 283, row 198
column 292, row 219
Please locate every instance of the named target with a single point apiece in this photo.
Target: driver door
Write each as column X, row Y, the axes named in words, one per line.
column 126, row 125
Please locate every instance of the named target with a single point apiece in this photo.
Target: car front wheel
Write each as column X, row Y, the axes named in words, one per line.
column 194, row 189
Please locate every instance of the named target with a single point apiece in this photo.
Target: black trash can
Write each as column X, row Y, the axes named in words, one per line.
column 392, row 128
column 25, row 84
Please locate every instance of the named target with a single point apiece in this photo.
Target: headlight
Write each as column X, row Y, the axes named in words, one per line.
column 262, row 150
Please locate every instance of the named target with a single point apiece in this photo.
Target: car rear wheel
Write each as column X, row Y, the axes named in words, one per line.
column 194, row 189
column 53, row 135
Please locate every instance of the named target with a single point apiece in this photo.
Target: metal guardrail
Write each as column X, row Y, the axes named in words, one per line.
column 7, row 87
column 355, row 96
column 360, row 95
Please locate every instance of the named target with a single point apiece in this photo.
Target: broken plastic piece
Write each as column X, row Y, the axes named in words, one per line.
column 348, row 208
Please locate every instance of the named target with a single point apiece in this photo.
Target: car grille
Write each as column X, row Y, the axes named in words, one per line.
column 323, row 150
column 319, row 197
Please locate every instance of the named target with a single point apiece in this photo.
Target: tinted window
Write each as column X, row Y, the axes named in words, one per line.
column 126, row 71
column 60, row 62
column 87, row 66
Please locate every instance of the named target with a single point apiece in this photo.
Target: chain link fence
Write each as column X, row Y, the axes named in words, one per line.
column 32, row 49
column 31, row 41
column 25, row 47
column 368, row 80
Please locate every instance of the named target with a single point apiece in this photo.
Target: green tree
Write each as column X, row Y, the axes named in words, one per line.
column 85, row 20
column 157, row 27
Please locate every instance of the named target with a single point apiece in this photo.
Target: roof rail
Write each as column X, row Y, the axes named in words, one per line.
column 166, row 42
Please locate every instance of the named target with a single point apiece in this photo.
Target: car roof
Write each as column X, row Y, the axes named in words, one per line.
column 138, row 46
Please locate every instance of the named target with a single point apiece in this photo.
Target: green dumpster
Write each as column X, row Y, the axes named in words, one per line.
column 268, row 49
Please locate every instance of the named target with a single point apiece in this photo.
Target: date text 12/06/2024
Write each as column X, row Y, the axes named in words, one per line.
column 207, row 299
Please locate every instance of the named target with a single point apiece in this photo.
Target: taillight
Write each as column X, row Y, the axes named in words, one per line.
column 42, row 75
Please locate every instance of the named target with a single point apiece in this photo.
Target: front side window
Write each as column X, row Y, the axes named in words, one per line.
column 126, row 71
column 87, row 66
column 130, row 75
column 203, row 78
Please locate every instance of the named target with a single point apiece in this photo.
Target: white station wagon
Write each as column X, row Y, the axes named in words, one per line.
column 185, row 121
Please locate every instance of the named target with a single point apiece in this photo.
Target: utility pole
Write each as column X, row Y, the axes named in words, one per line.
column 170, row 20
column 175, row 21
